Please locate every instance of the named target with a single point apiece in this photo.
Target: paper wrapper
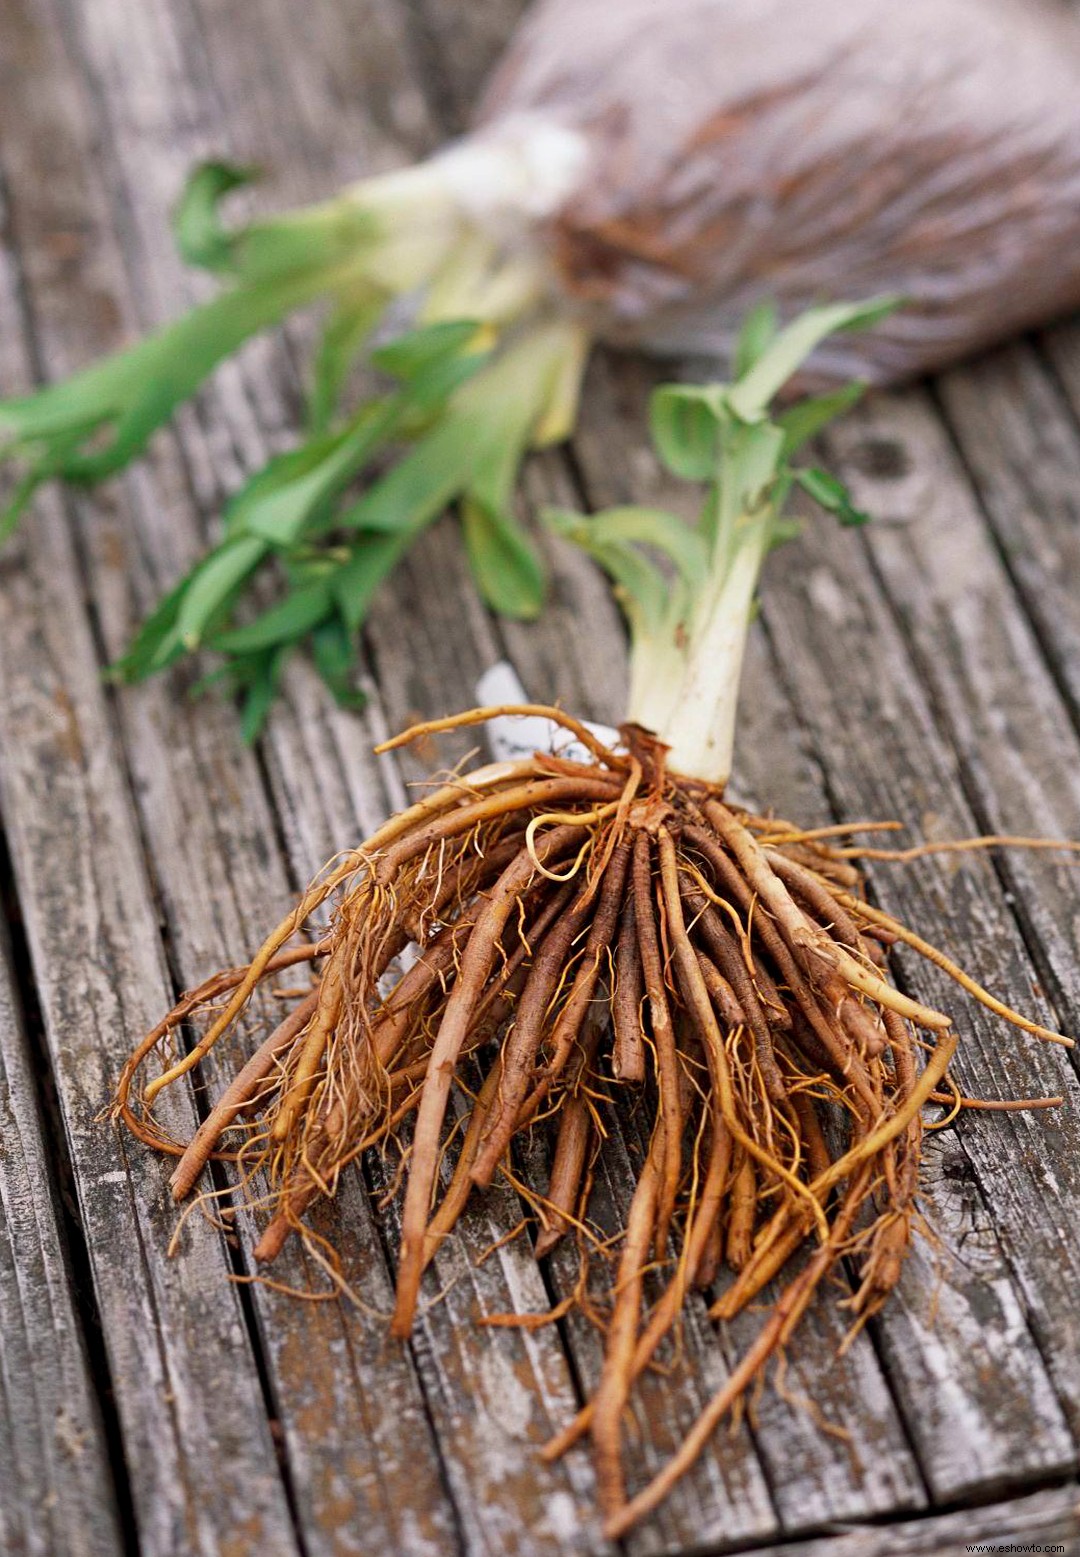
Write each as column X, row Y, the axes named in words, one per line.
column 806, row 150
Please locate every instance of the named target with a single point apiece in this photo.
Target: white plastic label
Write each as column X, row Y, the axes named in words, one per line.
column 513, row 737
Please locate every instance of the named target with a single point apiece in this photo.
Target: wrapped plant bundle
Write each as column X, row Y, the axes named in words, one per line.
column 602, row 927
column 641, row 173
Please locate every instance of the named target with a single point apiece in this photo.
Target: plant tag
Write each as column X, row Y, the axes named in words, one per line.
column 513, row 737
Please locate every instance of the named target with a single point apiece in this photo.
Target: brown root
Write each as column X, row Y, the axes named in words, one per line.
column 576, row 933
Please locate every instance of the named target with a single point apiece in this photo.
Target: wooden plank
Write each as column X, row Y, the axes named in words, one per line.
column 450, row 642
column 178, row 1350
column 1021, row 447
column 442, row 629
column 410, row 687
column 57, row 1484
column 813, row 1476
column 723, row 1497
column 852, row 677
column 540, row 1499
column 726, row 1498
column 1019, row 763
column 964, row 1434
column 174, row 778
column 179, row 1354
column 362, row 1460
column 1045, row 1521
column 346, row 1476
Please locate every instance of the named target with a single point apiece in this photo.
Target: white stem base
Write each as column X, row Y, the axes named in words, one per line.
column 687, row 694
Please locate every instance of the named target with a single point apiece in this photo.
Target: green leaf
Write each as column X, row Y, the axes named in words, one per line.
column 156, row 644
column 752, row 394
column 19, row 501
column 757, row 334
column 339, row 346
column 134, row 392
column 476, row 446
column 664, row 532
column 755, row 461
column 334, row 651
column 686, row 423
column 354, row 583
column 330, row 235
column 504, row 563
column 784, row 530
column 429, row 391
column 420, row 486
column 750, row 466
column 262, row 679
column 803, row 421
column 412, row 353
column 643, row 591
column 286, row 622
column 294, row 493
column 831, row 494
column 213, row 583
column 200, row 237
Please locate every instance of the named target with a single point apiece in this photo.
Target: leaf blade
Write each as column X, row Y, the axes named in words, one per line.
column 752, row 394
column 504, row 563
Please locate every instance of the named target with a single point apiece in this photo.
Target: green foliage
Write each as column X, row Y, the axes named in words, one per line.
column 335, row 554
column 99, row 420
column 459, row 420
column 760, row 328
column 505, row 565
column 457, row 402
column 685, row 420
column 728, row 436
column 832, row 495
column 752, row 393
column 197, row 226
column 452, row 420
column 340, row 343
column 620, row 539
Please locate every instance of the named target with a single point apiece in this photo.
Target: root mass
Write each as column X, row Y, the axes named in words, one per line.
column 585, row 932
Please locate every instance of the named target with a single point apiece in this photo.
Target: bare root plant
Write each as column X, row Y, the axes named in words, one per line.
column 580, row 928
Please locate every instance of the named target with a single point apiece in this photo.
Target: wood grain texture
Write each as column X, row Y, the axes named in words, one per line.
column 54, row 1469
column 149, row 847
column 1049, row 1521
column 218, row 870
column 972, row 1425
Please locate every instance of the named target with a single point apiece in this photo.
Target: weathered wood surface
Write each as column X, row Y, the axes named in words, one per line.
column 147, row 846
column 54, row 1466
column 1046, row 1521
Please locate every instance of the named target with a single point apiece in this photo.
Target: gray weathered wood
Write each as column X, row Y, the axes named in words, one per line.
column 859, row 691
column 208, row 909
column 178, row 1349
column 469, row 1467
column 1046, row 1521
column 962, row 1433
column 1019, row 763
column 813, row 1476
column 54, row 1465
column 343, row 1492
column 218, row 871
column 965, row 1384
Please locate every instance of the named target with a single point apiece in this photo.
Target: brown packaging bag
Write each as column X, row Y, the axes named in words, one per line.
column 803, row 150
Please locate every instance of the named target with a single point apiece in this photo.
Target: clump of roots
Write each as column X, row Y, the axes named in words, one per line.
column 578, row 928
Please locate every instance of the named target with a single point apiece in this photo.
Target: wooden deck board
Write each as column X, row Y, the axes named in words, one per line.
column 971, row 1426
column 54, row 1464
column 148, row 847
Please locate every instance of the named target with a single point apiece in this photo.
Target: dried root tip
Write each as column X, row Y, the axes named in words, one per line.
column 589, row 932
